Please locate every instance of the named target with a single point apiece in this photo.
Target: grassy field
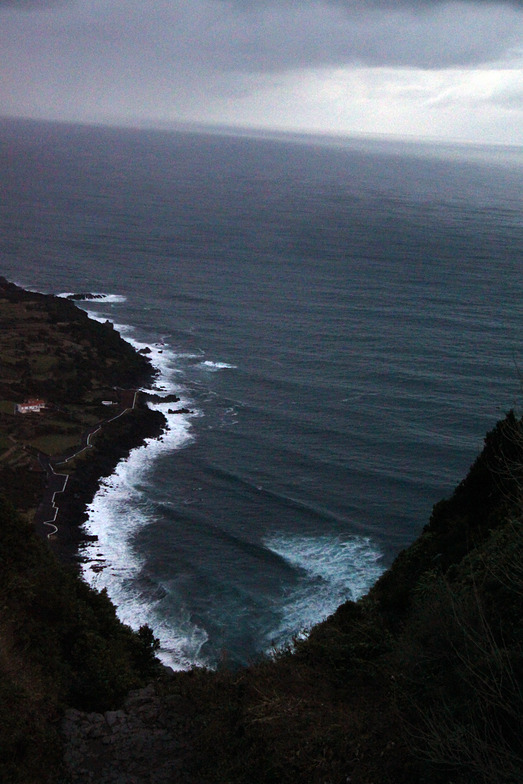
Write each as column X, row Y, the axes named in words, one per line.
column 43, row 365
column 55, row 444
column 50, row 349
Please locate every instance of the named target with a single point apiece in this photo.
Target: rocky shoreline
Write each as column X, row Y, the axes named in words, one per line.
column 114, row 444
column 51, row 349
column 385, row 690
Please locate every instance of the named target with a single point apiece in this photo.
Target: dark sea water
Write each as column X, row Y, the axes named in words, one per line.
column 344, row 321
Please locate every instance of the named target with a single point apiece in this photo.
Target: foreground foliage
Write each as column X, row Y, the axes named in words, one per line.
column 60, row 644
column 420, row 681
column 51, row 350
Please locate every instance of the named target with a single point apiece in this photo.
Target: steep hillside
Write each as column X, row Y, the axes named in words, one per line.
column 60, row 645
column 82, row 375
column 420, row 681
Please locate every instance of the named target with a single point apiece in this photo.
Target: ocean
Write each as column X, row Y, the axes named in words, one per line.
column 341, row 317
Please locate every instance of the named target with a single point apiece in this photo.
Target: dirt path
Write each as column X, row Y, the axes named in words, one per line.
column 47, row 511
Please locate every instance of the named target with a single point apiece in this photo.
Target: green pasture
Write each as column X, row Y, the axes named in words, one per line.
column 84, row 415
column 42, row 364
column 7, row 407
column 55, row 443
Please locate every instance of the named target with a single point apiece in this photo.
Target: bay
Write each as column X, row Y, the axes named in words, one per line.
column 343, row 318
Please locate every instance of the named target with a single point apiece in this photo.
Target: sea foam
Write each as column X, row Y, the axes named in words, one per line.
column 212, row 367
column 121, row 508
column 332, row 570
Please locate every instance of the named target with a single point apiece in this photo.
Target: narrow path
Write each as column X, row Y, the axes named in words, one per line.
column 47, row 511
column 56, row 483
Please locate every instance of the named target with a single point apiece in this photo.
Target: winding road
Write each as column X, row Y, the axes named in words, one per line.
column 47, row 511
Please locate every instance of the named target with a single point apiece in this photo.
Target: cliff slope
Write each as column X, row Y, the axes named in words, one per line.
column 419, row 681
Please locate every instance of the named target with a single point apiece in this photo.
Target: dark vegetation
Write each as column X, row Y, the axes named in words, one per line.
column 50, row 349
column 60, row 644
column 418, row 682
column 113, row 443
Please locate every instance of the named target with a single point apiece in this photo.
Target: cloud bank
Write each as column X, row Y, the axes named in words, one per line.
column 332, row 65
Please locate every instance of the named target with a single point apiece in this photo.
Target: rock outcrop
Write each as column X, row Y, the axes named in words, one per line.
column 145, row 742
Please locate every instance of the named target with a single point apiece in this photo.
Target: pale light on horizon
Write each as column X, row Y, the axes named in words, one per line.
column 448, row 70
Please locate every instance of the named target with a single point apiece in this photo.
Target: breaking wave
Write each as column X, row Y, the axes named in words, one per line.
column 332, row 570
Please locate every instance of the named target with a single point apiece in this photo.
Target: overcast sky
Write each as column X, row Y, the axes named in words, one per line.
column 426, row 68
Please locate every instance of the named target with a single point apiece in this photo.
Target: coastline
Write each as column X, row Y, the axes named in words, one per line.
column 114, row 445
column 104, row 364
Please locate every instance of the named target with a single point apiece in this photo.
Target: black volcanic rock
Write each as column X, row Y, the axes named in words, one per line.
column 84, row 296
column 150, row 396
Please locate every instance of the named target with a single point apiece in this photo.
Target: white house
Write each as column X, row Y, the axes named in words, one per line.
column 32, row 405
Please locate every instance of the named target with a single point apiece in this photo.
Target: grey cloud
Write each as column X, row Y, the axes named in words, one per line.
column 248, row 61
column 361, row 6
column 319, row 34
column 351, row 6
column 28, row 5
column 177, row 51
column 210, row 35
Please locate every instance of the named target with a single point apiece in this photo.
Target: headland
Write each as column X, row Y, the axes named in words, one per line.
column 70, row 409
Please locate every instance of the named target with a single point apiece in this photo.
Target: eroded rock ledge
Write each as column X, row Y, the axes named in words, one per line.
column 144, row 742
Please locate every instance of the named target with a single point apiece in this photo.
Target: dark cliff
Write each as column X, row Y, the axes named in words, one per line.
column 419, row 681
